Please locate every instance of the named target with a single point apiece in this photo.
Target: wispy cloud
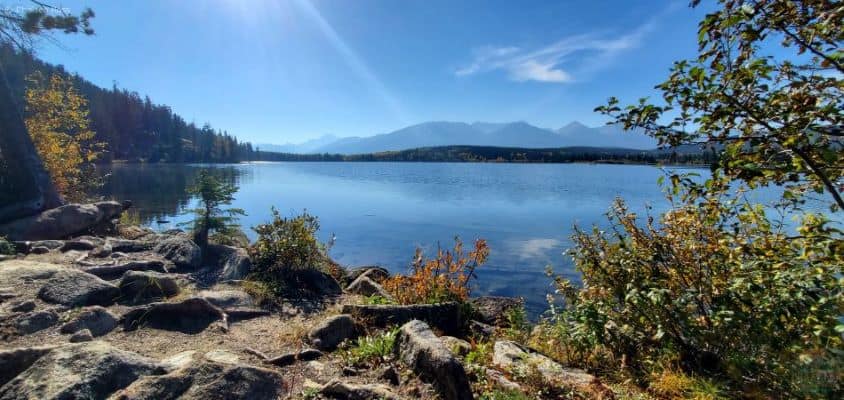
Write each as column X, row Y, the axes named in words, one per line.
column 563, row 61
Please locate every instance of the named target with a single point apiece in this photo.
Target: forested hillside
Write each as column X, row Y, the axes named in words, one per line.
column 133, row 127
column 514, row 154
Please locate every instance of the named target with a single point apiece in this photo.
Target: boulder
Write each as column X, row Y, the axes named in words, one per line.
column 91, row 370
column 180, row 250
column 37, row 321
column 228, row 298
column 81, row 336
column 15, row 361
column 457, row 346
column 78, row 244
column 49, row 244
column 313, row 282
column 134, row 232
column 423, row 352
column 191, row 315
column 101, row 251
column 23, row 306
column 333, row 331
column 367, row 287
column 291, row 358
column 129, row 246
column 447, row 317
column 97, row 320
column 337, row 389
column 39, row 250
column 481, row 330
column 376, row 273
column 203, row 379
column 142, row 286
column 117, row 270
column 61, row 222
column 234, row 262
column 493, row 309
column 74, row 288
column 518, row 360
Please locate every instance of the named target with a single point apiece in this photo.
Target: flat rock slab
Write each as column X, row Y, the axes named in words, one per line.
column 424, row 353
column 117, row 270
column 15, row 361
column 291, row 358
column 74, row 288
column 204, row 379
column 226, row 298
column 447, row 317
column 36, row 321
column 191, row 315
column 493, row 309
column 91, row 370
column 347, row 391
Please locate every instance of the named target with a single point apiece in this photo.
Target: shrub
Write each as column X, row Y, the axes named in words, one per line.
column 372, row 350
column 444, row 278
column 717, row 286
column 6, row 248
column 285, row 248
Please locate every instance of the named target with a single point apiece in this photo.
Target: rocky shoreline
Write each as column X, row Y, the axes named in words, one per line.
column 92, row 309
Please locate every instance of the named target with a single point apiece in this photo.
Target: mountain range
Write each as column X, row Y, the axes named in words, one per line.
column 439, row 133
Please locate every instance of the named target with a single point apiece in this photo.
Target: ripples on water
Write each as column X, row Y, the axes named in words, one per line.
column 380, row 212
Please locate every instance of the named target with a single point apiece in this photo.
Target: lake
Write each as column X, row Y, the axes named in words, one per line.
column 380, row 212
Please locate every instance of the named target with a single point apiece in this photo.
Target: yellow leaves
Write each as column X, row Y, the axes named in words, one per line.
column 57, row 121
column 444, row 278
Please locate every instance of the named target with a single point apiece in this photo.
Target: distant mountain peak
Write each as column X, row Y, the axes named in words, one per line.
column 574, row 125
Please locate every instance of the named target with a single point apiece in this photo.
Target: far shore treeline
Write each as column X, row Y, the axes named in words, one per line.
column 514, row 154
column 135, row 129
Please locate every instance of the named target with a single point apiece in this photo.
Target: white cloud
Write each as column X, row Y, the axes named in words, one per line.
column 565, row 60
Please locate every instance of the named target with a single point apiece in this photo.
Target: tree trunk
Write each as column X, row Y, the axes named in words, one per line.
column 26, row 187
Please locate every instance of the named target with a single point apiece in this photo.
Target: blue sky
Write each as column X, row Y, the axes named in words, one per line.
column 282, row 71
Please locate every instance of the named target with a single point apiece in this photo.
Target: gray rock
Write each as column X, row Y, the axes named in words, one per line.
column 117, row 270
column 457, row 346
column 37, row 321
column 15, row 361
column 97, row 320
column 61, row 222
column 228, row 298
column 234, row 262
column 129, row 246
column 78, row 244
column 180, row 250
column 91, row 370
column 50, row 244
column 314, row 282
column 76, row 288
column 481, row 330
column 101, row 251
column 367, row 287
column 499, row 379
column 242, row 313
column 291, row 358
column 424, row 353
column 134, row 232
column 347, row 391
column 23, row 306
column 39, row 250
column 142, row 286
column 512, row 357
column 203, row 379
column 377, row 274
column 191, row 315
column 447, row 317
column 493, row 309
column 81, row 336
column 333, row 331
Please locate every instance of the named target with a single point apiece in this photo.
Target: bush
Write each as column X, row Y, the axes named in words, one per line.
column 444, row 278
column 286, row 247
column 6, row 248
column 715, row 286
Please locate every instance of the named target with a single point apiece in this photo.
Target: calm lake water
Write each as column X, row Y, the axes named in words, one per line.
column 380, row 212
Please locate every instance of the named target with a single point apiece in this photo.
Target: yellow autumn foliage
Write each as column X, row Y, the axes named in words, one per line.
column 57, row 121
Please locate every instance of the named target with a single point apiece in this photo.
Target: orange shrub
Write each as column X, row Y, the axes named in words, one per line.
column 444, row 278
